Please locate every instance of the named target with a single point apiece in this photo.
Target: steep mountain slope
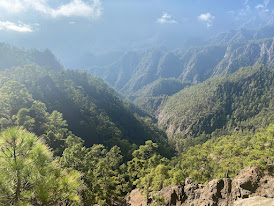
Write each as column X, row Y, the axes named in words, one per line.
column 63, row 108
column 153, row 95
column 254, row 52
column 129, row 75
column 219, row 103
column 118, row 73
column 223, row 55
column 90, row 108
column 12, row 56
column 160, row 87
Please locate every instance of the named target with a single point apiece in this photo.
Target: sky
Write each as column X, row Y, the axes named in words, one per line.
column 72, row 29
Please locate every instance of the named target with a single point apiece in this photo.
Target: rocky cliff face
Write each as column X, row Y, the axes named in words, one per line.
column 251, row 186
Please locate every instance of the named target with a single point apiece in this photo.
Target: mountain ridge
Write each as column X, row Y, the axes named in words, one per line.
column 135, row 70
column 13, row 56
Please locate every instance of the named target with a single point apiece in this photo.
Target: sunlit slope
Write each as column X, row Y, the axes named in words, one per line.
column 243, row 99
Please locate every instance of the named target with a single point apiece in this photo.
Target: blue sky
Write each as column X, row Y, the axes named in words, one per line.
column 71, row 28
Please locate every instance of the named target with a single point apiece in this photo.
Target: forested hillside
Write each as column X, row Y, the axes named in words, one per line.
column 154, row 94
column 68, row 138
column 90, row 109
column 88, row 127
column 12, row 56
column 243, row 100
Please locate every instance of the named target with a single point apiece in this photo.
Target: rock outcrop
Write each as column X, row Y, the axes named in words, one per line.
column 135, row 198
column 255, row 201
column 252, row 186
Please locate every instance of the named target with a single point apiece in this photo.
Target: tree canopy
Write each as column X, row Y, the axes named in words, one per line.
column 29, row 175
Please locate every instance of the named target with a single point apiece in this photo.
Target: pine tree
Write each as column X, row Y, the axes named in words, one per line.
column 29, row 175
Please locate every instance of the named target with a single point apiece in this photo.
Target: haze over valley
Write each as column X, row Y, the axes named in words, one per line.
column 119, row 103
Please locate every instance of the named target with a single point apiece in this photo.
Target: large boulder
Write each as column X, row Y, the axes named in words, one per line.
column 246, row 182
column 135, row 198
column 172, row 196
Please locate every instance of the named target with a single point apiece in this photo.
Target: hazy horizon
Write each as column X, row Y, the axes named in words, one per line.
column 76, row 29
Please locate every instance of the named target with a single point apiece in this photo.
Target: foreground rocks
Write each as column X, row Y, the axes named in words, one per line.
column 255, row 201
column 251, row 187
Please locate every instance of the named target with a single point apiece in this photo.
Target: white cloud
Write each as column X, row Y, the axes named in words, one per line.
column 259, row 6
column 77, row 8
column 12, row 6
column 71, row 22
column 207, row 18
column 166, row 19
column 10, row 26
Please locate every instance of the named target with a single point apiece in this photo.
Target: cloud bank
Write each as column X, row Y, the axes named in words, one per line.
column 207, row 19
column 166, row 19
column 10, row 26
column 77, row 8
